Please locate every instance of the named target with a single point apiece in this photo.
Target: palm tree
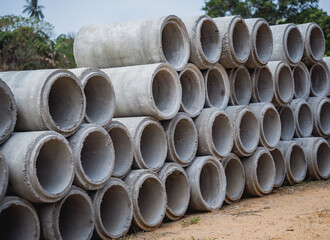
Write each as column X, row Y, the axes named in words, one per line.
column 34, row 9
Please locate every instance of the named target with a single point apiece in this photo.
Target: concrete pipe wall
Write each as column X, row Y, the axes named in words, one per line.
column 326, row 64
column 235, row 41
column 217, row 88
column 45, row 158
column 240, row 86
column 94, row 156
column 205, row 41
column 288, row 123
column 235, row 177
column 207, row 181
column 319, row 80
column 149, row 199
column 288, row 43
column 283, row 82
column 246, row 129
column 261, row 42
column 295, row 161
column 152, row 90
column 18, row 220
column 176, row 183
column 262, row 85
column 56, row 100
column 4, row 177
column 123, row 146
column 314, row 42
column 270, row 124
column 215, row 133
column 302, row 81
column 163, row 39
column 113, row 209
column 99, row 93
column 317, row 152
column 279, row 167
column 320, row 108
column 149, row 142
column 70, row 218
column 303, row 118
column 193, row 90
column 182, row 139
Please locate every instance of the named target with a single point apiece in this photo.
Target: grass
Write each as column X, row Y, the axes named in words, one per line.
column 193, row 220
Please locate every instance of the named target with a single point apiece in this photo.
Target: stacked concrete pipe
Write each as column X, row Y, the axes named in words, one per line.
column 320, row 108
column 303, row 117
column 319, row 80
column 4, row 177
column 288, row 122
column 279, row 166
column 302, row 82
column 262, row 85
column 240, row 86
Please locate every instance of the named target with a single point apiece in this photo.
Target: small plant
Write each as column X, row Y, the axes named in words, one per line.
column 193, row 220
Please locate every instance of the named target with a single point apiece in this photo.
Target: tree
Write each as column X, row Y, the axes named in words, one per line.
column 34, row 10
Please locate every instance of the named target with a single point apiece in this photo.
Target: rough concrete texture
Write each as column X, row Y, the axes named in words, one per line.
column 303, row 118
column 236, row 44
column 163, row 39
column 18, row 219
column 326, row 64
column 288, row 123
column 302, row 81
column 94, row 156
column 123, row 146
column 182, row 139
column 149, row 142
column 215, row 133
column 246, row 129
column 279, row 166
column 45, row 158
column 262, row 85
column 99, row 93
column 260, row 173
column 176, row 183
column 320, row 82
column 4, row 177
column 217, row 88
column 149, row 199
column 240, row 86
column 261, row 42
column 288, row 43
column 207, row 181
column 113, row 209
column 70, row 218
column 235, row 177
column 152, row 90
column 320, row 108
column 193, row 90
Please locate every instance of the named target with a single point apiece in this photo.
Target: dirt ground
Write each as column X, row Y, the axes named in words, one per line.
column 291, row 212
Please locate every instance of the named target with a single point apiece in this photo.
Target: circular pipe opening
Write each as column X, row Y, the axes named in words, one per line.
column 265, row 172
column 265, row 89
column 240, row 39
column 235, row 179
column 264, row 43
column 215, row 88
column 305, row 120
column 209, row 184
column 210, row 40
column 297, row 164
column 222, row 135
column 242, row 86
column 323, row 160
column 301, row 78
column 285, row 84
column 294, row 45
column 271, row 125
column 7, row 113
column 317, row 43
column 325, row 117
column 287, row 123
column 249, row 131
column 319, row 80
column 279, row 166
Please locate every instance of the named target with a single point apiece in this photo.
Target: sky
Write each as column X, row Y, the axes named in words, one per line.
column 69, row 16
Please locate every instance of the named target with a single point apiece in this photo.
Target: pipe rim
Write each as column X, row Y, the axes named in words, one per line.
column 310, row 43
column 301, row 80
column 279, row 166
column 303, row 116
column 320, row 121
column 291, row 176
column 284, row 126
column 240, row 82
column 297, row 54
column 260, row 25
column 283, row 94
column 262, row 83
column 270, row 139
column 4, row 177
column 319, row 84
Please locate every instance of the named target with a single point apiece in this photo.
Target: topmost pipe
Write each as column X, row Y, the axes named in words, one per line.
column 163, row 39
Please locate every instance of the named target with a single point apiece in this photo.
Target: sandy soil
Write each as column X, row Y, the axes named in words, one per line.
column 291, row 212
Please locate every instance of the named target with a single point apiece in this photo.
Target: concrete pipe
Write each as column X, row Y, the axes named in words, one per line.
column 18, row 220
column 149, row 199
column 326, row 64
column 70, row 218
column 113, row 208
column 4, row 177
column 56, row 100
column 45, row 158
column 261, row 42
column 149, row 142
column 182, row 139
column 94, row 157
column 260, row 173
column 193, row 90
column 314, row 42
column 123, row 146
column 215, row 133
column 283, row 82
column 235, row 177
column 270, row 124
column 317, row 152
column 262, row 85
column 217, row 88
column 288, row 43
column 207, row 181
column 163, row 39
column 295, row 161
column 246, row 129
column 176, row 183
column 288, row 123
column 205, row 41
column 319, row 80
column 240, row 86
column 302, row 81
column 303, row 118
column 146, row 90
column 235, row 41
column 99, row 93
column 320, row 108
column 279, row 167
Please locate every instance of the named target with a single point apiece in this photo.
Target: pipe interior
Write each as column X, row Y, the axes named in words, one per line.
column 264, row 43
column 216, row 88
column 240, row 39
column 209, row 183
column 287, row 123
column 7, row 116
column 294, row 43
column 271, row 125
column 222, row 134
column 317, row 43
column 325, row 117
column 305, row 120
column 265, row 87
column 249, row 131
column 319, row 80
column 323, row 159
column 298, row 165
column 279, row 166
column 3, row 177
column 265, row 172
column 301, row 79
column 210, row 40
column 235, row 179
column 242, row 86
column 285, row 83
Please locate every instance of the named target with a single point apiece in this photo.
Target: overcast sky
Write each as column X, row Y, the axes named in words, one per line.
column 70, row 15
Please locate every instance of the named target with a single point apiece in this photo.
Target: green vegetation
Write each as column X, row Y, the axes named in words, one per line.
column 193, row 220
column 34, row 9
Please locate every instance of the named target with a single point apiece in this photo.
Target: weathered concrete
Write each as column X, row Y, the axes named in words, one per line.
column 240, row 86
column 303, row 118
column 288, row 123
column 262, row 85
column 163, row 39
column 320, row 108
column 45, row 158
column 4, row 177
column 320, row 82
column 326, row 64
column 279, row 166
column 302, row 81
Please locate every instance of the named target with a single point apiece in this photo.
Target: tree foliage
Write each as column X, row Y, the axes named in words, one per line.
column 34, row 9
